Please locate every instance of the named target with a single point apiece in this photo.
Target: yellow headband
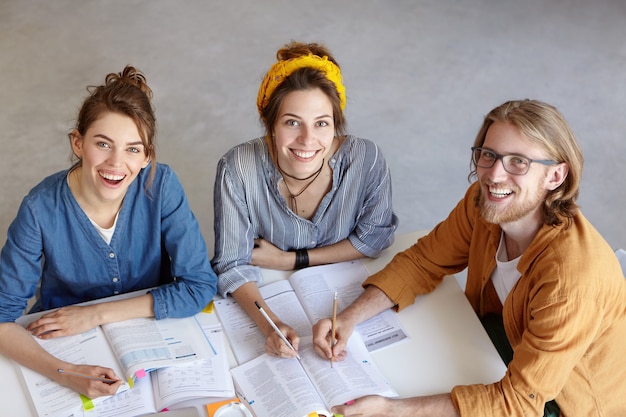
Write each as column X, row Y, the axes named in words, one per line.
column 282, row 69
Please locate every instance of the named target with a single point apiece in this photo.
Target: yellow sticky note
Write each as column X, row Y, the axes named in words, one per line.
column 87, row 403
column 208, row 308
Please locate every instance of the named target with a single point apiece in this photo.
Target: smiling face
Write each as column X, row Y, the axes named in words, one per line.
column 304, row 132
column 112, row 155
column 507, row 198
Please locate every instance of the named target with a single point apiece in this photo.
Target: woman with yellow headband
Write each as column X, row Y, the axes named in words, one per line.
column 305, row 193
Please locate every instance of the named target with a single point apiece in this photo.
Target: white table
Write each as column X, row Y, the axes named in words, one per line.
column 447, row 345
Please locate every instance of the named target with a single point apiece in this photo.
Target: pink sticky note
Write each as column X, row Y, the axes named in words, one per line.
column 140, row 373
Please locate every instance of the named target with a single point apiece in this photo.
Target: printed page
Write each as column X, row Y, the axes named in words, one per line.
column 357, row 375
column 52, row 399
column 145, row 344
column 315, row 288
column 277, row 387
column 382, row 330
column 137, row 401
column 246, row 340
column 287, row 387
column 168, row 386
column 208, row 378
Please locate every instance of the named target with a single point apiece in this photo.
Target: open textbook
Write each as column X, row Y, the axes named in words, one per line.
column 132, row 348
column 278, row 387
column 174, row 386
column 301, row 301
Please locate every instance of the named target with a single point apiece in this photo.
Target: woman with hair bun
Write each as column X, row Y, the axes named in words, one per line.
column 115, row 222
column 304, row 194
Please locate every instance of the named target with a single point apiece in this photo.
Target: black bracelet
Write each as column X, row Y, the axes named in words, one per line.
column 302, row 258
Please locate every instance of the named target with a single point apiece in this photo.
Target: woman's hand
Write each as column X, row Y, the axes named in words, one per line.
column 90, row 387
column 64, row 322
column 266, row 255
column 275, row 346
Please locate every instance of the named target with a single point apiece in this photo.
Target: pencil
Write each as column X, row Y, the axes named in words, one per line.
column 276, row 329
column 95, row 378
column 334, row 328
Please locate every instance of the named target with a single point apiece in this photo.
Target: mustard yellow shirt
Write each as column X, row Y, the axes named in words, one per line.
column 565, row 318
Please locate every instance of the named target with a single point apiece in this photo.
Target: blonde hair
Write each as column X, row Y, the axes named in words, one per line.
column 546, row 126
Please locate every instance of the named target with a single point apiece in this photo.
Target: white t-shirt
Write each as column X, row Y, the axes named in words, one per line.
column 505, row 275
column 107, row 234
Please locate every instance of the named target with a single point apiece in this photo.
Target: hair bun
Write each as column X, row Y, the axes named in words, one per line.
column 130, row 75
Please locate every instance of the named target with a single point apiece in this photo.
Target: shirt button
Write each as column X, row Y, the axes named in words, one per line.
column 116, row 292
column 532, row 396
column 313, row 242
column 115, row 279
column 111, row 255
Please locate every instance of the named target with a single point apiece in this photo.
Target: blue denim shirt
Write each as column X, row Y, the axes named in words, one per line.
column 53, row 242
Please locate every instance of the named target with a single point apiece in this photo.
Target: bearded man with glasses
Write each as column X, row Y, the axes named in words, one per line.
column 545, row 284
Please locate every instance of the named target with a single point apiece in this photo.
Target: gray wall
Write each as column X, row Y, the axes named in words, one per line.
column 420, row 75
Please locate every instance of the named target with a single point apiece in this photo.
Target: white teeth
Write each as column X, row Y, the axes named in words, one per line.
column 305, row 155
column 111, row 177
column 500, row 192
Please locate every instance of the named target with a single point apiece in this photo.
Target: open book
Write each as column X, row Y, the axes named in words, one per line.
column 175, row 386
column 301, row 301
column 278, row 387
column 132, row 348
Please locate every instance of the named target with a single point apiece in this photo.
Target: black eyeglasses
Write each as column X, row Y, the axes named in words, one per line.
column 513, row 164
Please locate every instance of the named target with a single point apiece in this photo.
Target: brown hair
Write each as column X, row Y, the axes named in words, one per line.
column 126, row 93
column 545, row 125
column 303, row 79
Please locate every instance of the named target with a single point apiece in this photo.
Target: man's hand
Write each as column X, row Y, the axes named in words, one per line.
column 322, row 338
column 376, row 406
column 371, row 405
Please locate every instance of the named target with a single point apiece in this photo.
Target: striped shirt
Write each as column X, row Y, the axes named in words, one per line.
column 248, row 205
